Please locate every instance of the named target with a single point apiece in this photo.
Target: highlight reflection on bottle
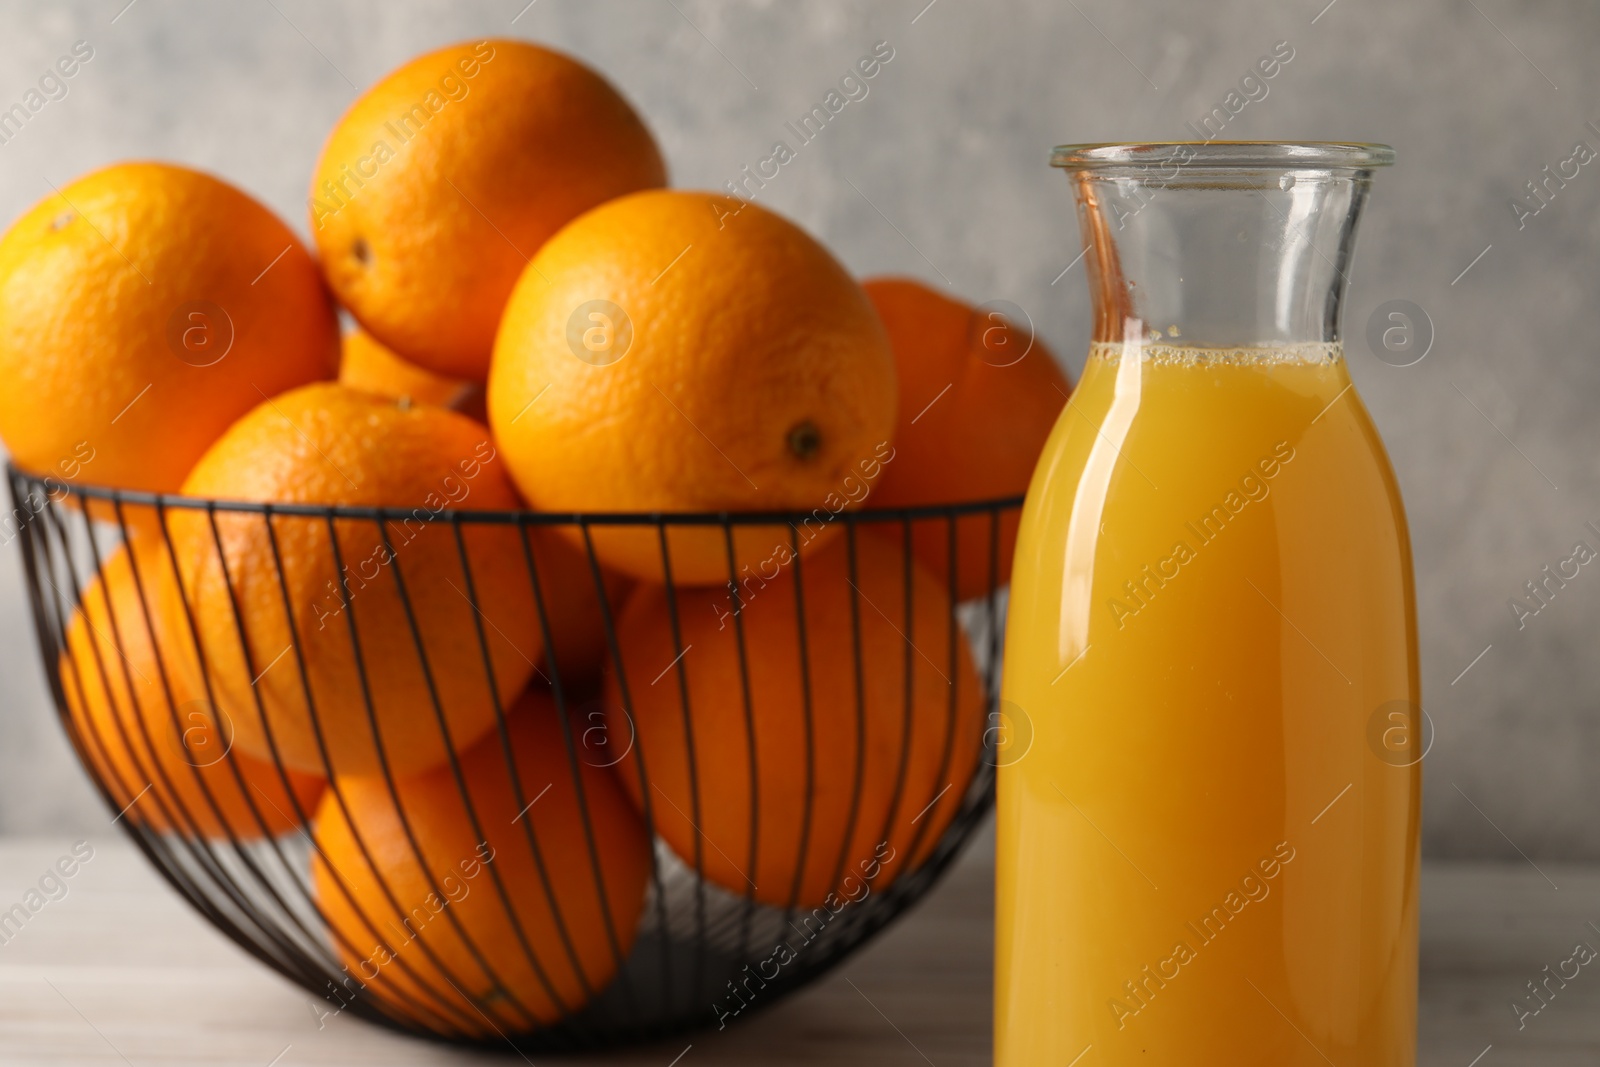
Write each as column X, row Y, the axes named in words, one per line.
column 1204, row 858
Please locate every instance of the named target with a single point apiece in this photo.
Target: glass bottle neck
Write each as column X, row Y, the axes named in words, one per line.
column 1184, row 248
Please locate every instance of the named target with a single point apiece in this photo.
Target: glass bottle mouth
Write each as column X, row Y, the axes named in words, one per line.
column 1223, row 155
column 1237, row 243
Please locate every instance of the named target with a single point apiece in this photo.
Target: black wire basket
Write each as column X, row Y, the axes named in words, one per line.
column 638, row 841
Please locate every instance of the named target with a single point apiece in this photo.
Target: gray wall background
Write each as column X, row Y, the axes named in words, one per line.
column 1494, row 434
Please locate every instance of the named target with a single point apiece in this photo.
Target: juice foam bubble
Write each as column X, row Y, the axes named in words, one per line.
column 1306, row 353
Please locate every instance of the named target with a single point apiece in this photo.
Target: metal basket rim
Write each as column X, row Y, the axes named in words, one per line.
column 517, row 516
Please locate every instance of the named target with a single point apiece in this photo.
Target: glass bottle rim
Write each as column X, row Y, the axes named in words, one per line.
column 1233, row 155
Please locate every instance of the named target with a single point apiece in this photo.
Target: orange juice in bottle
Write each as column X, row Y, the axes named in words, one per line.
column 1208, row 851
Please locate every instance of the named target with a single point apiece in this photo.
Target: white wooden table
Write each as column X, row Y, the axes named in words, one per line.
column 118, row 971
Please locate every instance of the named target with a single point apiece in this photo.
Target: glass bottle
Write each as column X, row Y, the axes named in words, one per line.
column 1208, row 804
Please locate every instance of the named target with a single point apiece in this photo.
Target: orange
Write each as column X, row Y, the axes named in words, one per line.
column 369, row 366
column 442, row 180
column 144, row 308
column 555, row 873
column 148, row 731
column 978, row 397
column 680, row 351
column 876, row 808
column 329, row 444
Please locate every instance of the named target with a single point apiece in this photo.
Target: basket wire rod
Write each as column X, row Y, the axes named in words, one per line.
column 696, row 819
column 972, row 807
column 453, row 762
column 330, row 970
column 519, row 796
column 810, row 728
column 118, row 717
column 166, row 798
column 45, row 614
column 450, row 1009
column 156, row 848
column 444, row 1002
column 205, row 674
column 935, row 803
column 386, row 773
column 177, row 501
column 164, row 675
column 858, row 665
column 905, row 890
column 953, row 651
column 547, row 639
column 909, row 888
column 302, row 817
column 365, row 1006
column 647, row 807
column 908, row 667
column 316, row 954
column 53, row 644
column 908, row 716
column 993, row 677
column 372, row 1005
column 865, row 922
column 753, row 857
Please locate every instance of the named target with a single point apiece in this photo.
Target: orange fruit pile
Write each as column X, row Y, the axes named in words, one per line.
column 550, row 351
